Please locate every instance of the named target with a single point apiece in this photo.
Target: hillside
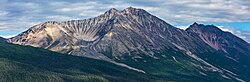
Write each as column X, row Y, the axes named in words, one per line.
column 29, row 64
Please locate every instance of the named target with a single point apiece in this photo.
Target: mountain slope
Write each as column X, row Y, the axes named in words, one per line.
column 2, row 39
column 135, row 38
column 36, row 64
column 120, row 31
column 220, row 40
column 233, row 46
column 233, row 52
column 29, row 64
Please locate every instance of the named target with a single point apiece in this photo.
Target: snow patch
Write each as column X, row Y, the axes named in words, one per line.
column 225, row 76
column 230, row 72
column 175, row 59
column 202, row 73
column 129, row 67
column 232, row 59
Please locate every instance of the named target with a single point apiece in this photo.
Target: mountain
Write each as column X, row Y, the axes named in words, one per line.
column 135, row 39
column 2, row 39
column 234, row 51
column 108, row 36
column 120, row 31
column 221, row 41
column 29, row 64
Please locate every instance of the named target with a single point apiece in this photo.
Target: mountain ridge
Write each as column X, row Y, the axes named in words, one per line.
column 215, row 34
column 136, row 38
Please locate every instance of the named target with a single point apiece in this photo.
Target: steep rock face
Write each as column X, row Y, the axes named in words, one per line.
column 221, row 41
column 66, row 36
column 235, row 52
column 137, row 30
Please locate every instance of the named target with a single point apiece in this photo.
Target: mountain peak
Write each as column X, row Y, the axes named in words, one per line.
column 112, row 11
column 134, row 11
column 130, row 8
column 195, row 23
column 201, row 27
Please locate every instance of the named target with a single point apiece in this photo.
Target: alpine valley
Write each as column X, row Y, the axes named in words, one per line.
column 124, row 46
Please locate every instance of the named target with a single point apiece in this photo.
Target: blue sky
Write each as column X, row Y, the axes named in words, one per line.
column 17, row 16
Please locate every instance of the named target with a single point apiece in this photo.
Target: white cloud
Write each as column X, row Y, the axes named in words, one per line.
column 182, row 27
column 58, row 18
column 235, row 30
column 226, row 29
column 172, row 11
column 7, row 36
column 188, row 11
column 3, row 13
column 75, row 8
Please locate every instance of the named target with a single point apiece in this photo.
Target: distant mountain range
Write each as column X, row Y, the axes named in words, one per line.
column 135, row 39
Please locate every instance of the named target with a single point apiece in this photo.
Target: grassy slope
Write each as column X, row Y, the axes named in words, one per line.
column 185, row 68
column 29, row 64
column 166, row 68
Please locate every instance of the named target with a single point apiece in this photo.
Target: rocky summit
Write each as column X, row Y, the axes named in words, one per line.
column 143, row 42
